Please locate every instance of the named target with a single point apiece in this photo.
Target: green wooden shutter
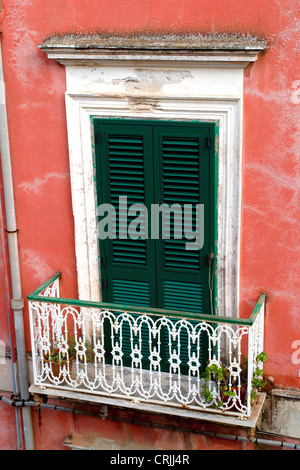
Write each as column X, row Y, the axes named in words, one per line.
column 124, row 168
column 182, row 169
column 155, row 162
column 183, row 177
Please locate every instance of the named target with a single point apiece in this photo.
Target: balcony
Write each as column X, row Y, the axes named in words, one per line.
column 150, row 359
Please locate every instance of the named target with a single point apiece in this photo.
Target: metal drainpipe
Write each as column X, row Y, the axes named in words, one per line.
column 7, row 297
column 17, row 301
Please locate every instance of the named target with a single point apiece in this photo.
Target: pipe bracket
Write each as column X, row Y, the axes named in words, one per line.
column 17, row 304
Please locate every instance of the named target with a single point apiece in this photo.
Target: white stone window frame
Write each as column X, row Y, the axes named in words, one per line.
column 207, row 86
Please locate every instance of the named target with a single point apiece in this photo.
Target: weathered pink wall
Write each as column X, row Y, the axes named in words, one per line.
column 270, row 209
column 53, row 428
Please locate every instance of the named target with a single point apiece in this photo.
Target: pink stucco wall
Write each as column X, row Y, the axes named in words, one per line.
column 35, row 90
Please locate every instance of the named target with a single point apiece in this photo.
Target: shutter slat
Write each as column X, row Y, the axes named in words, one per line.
column 132, row 294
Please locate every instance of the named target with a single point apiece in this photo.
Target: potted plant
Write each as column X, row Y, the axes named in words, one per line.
column 220, row 375
column 258, row 380
column 227, row 391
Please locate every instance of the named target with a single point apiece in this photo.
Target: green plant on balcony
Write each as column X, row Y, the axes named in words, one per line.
column 259, row 381
column 221, row 376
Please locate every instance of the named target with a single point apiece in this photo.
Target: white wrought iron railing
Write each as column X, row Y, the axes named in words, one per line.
column 146, row 355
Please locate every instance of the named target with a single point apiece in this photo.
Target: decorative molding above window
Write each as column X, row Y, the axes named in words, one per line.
column 228, row 50
column 178, row 78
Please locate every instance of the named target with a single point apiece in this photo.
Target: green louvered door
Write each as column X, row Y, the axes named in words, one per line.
column 128, row 271
column 181, row 163
column 125, row 171
column 155, row 163
column 182, row 169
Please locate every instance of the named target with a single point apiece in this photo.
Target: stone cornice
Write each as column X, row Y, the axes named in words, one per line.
column 206, row 50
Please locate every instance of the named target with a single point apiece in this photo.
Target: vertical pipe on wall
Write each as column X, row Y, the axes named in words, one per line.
column 7, row 296
column 17, row 302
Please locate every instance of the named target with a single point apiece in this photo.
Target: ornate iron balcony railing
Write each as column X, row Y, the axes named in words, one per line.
column 145, row 355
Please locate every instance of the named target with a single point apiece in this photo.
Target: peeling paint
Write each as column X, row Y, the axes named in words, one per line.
column 37, row 184
column 143, row 104
column 152, row 80
column 37, row 265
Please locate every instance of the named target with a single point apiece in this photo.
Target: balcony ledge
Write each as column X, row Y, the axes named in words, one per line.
column 249, row 423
